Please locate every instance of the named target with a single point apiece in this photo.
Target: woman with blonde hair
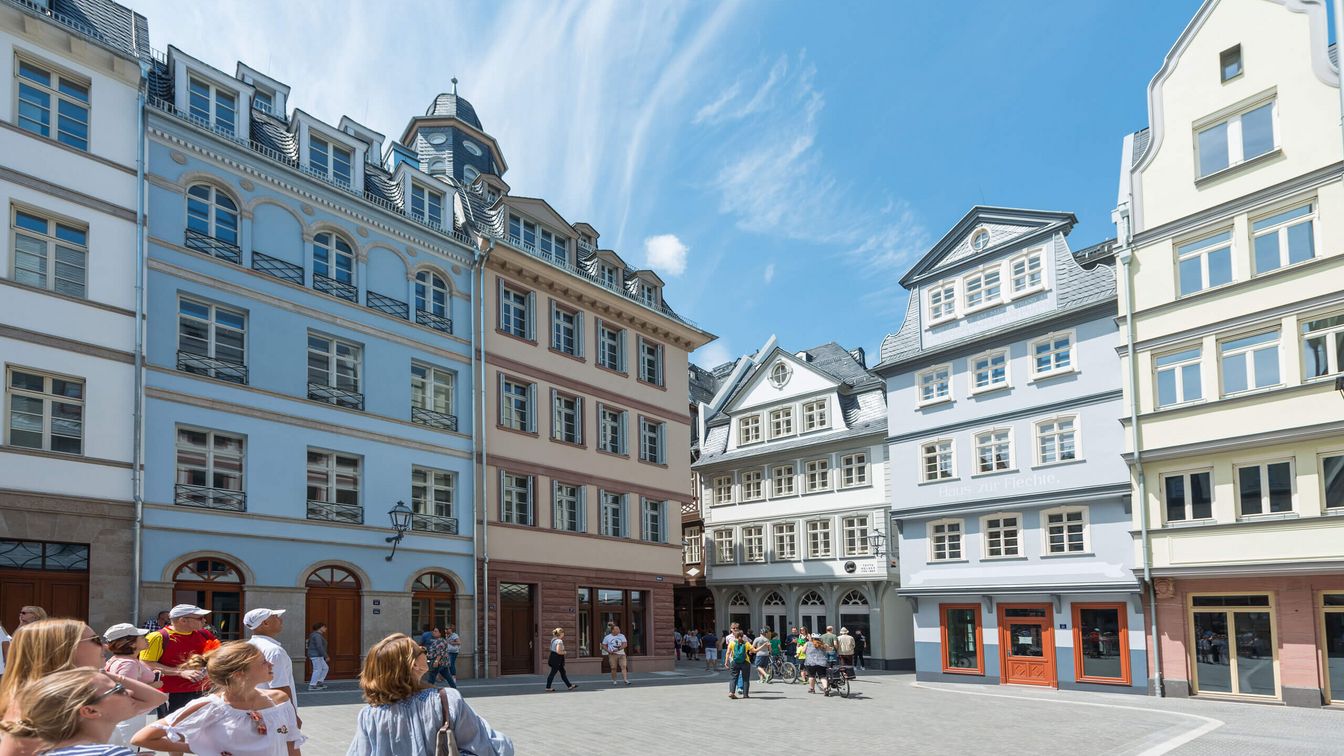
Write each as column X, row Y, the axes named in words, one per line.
column 30, row 614
column 405, row 714
column 237, row 717
column 557, row 660
column 72, row 713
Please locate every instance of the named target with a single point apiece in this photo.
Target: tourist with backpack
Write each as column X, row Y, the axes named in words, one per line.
column 737, row 659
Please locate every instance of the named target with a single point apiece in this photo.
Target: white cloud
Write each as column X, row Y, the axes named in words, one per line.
column 769, row 274
column 666, row 254
column 713, row 354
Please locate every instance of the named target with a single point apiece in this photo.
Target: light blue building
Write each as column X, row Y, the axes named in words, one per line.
column 308, row 367
column 1007, row 484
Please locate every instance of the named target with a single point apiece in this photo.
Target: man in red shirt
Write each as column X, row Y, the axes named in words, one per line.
column 170, row 647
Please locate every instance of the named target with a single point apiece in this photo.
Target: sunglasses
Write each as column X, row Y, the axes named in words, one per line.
column 96, row 640
column 118, row 688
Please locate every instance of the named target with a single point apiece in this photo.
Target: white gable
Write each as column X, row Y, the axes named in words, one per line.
column 802, row 380
column 999, row 233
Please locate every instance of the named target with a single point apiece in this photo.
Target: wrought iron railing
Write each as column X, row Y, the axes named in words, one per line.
column 395, row 307
column 74, row 25
column 207, row 244
column 274, row 266
column 437, row 322
column 188, row 362
column 433, row 419
column 335, row 288
column 434, row 523
column 333, row 511
column 337, row 396
column 209, row 498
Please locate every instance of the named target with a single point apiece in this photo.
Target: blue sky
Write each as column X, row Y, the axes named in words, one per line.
column 781, row 164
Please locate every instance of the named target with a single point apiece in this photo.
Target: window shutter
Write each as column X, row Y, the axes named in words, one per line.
column 578, row 334
column 499, row 398
column 620, row 433
column 581, row 521
column 662, row 444
column 620, row 350
column 658, row 374
column 578, row 419
column 532, row 315
column 530, row 422
column 555, row 415
column 625, row 516
column 499, row 480
column 499, row 303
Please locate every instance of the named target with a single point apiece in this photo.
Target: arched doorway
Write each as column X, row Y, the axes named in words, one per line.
column 333, row 598
column 812, row 612
column 854, row 614
column 739, row 611
column 433, row 602
column 776, row 614
column 216, row 585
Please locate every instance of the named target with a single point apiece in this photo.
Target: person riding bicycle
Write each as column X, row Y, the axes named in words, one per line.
column 814, row 661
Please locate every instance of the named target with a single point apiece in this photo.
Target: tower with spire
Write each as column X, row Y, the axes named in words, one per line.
column 450, row 141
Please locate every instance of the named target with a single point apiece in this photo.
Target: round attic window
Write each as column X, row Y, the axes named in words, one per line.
column 780, row 374
column 436, row 139
column 980, row 240
column 469, row 173
column 472, row 147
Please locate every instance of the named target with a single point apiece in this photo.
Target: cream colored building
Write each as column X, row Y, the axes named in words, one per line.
column 1231, row 227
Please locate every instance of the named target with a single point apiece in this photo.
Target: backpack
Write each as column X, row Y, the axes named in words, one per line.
column 739, row 652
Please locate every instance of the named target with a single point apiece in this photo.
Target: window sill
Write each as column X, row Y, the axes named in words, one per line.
column 1004, row 559
column 613, row 370
column 939, row 480
column 1268, row 516
column 1037, row 289
column 659, row 386
column 1068, row 555
column 991, row 473
column 1191, row 523
column 967, row 672
column 1231, row 170
column 576, row 357
column 1061, row 463
column 1333, row 512
column 851, row 487
column 609, row 453
column 934, row 402
column 1282, row 268
column 940, row 321
column 818, row 491
column 982, row 307
column 988, row 390
column 948, row 561
column 1039, row 377
column 573, row 444
column 1253, row 391
column 508, row 429
column 653, row 464
column 516, row 337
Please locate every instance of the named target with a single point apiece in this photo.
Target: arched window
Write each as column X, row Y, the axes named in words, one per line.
column 212, row 213
column 431, row 294
column 432, row 599
column 737, row 600
column 469, row 173
column 216, row 585
column 812, row 598
column 774, row 599
column 854, row 598
column 334, row 266
column 332, row 577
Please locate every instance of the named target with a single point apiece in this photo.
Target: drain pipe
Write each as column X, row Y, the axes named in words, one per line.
column 138, row 450
column 484, row 487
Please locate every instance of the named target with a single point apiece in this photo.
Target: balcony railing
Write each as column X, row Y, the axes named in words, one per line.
column 335, row 512
column 437, row 322
column 335, row 288
column 337, row 396
column 207, row 244
column 434, row 523
column 209, row 498
column 433, row 419
column 188, row 362
column 274, row 266
column 394, row 307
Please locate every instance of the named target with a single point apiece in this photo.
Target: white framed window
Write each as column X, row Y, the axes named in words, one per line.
column 1188, row 496
column 993, row 450
column 1249, row 362
column 517, row 403
column 335, row 364
column 723, row 489
column 980, row 239
column 1003, row 535
column 815, row 415
column 432, row 494
column 48, row 99
column 652, row 442
column 1027, row 272
column 523, row 233
column 724, row 553
column 1066, row 530
column 426, row 205
column 935, row 384
column 650, row 362
column 818, row 475
column 648, row 294
column 1241, row 137
column 984, row 287
column 211, row 340
column 819, row 539
column 612, row 514
column 780, row 373
column 936, row 458
column 611, row 429
column 213, row 213
column 945, row 540
column 432, row 389
column 45, row 412
column 854, row 532
column 553, row 247
column 1204, row 263
column 1264, row 487
column 209, row 461
column 566, row 417
column 516, row 499
column 334, row 478
column 334, row 259
column 652, row 514
column 1229, row 63
column 610, row 346
column 942, row 302
column 781, row 422
column 1179, row 377
column 854, row 470
column 753, row 485
column 1052, row 355
column 50, row 254
column 330, row 160
column 989, row 371
column 1332, row 480
column 748, row 429
column 567, row 507
column 431, row 298
column 1322, row 346
column 515, row 311
column 1057, row 440
column 753, row 543
column 786, row 541
column 693, row 550
column 782, row 480
column 213, row 106
column 607, row 275
column 566, row 330
column 1284, row 238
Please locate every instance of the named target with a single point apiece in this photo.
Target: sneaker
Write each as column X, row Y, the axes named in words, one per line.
column 732, row 696
column 627, row 682
column 613, row 682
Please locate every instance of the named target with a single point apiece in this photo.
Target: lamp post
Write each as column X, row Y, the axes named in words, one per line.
column 401, row 522
column 877, row 541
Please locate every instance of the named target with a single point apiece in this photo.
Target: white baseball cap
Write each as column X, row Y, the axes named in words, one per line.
column 253, row 619
column 187, row 610
column 123, row 630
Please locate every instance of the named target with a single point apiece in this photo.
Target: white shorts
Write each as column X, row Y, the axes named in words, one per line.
column 711, row 654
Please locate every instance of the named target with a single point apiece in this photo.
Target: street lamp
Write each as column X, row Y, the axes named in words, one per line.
column 401, row 522
column 877, row 541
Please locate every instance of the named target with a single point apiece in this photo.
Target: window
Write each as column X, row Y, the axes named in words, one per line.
column 330, row 160
column 432, row 495
column 1204, row 263
column 650, row 362
column 1323, row 347
column 1066, row 531
column 1189, row 496
column 333, row 371
column 945, row 540
column 610, row 429
column 1332, row 480
column 1026, row 272
column 1178, row 377
column 962, row 653
column 935, row 384
column 552, row 247
column 1265, row 488
column 211, row 340
column 515, row 311
column 212, row 213
column 566, row 330
column 980, row 240
column 1229, row 63
column 855, row 533
column 333, row 487
column 786, row 541
column 942, row 302
column 854, row 470
column 818, row 472
column 1051, row 355
column 1057, row 440
column 937, row 458
column 814, row 415
column 648, row 295
column 515, row 499
column 50, row 254
column 753, row 543
column 610, row 347
column 989, row 371
column 612, row 513
column 1284, row 238
column 607, row 275
column 46, row 412
column 333, row 258
column 431, row 298
column 781, row 480
column 41, row 91
column 523, row 233
column 212, row 106
column 652, row 441
column 1101, row 643
column 1244, row 136
column 983, row 288
column 993, row 450
column 693, row 550
column 567, row 502
column 209, row 461
column 651, row 520
column 1250, row 362
column 426, row 205
column 779, row 374
column 723, row 547
column 516, row 400
column 781, row 422
column 819, row 539
column 753, row 485
column 1003, row 535
column 748, row 429
column 723, row 489
column 263, row 101
column 566, row 418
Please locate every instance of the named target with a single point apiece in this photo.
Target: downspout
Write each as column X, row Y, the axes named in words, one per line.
column 1339, row 69
column 138, row 450
column 482, row 490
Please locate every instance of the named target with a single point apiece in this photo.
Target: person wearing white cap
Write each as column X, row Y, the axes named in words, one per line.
column 125, row 642
column 266, row 625
column 169, row 648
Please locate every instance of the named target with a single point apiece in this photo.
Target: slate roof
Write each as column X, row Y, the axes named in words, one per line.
column 703, row 384
column 448, row 105
column 865, row 414
column 104, row 21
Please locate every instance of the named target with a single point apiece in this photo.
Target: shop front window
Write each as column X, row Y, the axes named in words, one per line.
column 962, row 653
column 626, row 609
column 1100, row 645
column 1234, row 645
column 1332, row 622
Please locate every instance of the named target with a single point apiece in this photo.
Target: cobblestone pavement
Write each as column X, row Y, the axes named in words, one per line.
column 689, row 713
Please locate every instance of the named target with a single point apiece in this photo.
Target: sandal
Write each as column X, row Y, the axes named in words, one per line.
column 572, row 687
column 550, row 690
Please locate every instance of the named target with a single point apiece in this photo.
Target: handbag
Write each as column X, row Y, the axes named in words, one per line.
column 445, row 744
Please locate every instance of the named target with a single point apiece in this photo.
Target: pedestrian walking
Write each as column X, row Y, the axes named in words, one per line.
column 73, row 712
column 815, row 661
column 710, row 650
column 556, row 661
column 266, row 625
column 761, row 648
column 404, row 716
column 186, row 636
column 737, row 659
column 614, row 643
column 828, row 640
column 860, row 650
column 844, row 647
column 125, row 642
column 426, row 635
column 454, row 642
column 31, row 614
column 157, row 622
column 240, row 716
column 318, row 656
column 436, row 658
column 676, row 643
column 800, row 651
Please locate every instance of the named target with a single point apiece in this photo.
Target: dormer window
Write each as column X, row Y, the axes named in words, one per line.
column 648, row 295
column 469, row 173
column 983, row 288
column 607, row 274
column 943, row 302
column 523, row 233
column 426, row 205
column 553, row 247
column 331, row 161
column 262, row 101
column 216, row 108
column 1026, row 272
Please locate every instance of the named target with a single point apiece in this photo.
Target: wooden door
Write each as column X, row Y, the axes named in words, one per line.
column 517, row 631
column 1027, row 644
column 333, row 598
column 61, row 594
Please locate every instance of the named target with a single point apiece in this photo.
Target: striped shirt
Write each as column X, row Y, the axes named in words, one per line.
column 90, row 750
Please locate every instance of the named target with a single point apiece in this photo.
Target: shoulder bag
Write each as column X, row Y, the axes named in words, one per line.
column 446, row 742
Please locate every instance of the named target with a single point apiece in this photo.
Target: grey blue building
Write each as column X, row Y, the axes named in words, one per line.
column 1007, row 487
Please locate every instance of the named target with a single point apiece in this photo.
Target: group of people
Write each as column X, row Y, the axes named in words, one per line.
column 694, row 644
column 814, row 652
column 65, row 690
column 442, row 645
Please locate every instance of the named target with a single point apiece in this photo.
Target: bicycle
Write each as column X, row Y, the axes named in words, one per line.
column 782, row 669
column 837, row 680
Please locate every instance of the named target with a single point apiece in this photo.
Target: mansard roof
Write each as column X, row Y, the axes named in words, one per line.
column 110, row 24
column 1007, row 227
column 865, row 414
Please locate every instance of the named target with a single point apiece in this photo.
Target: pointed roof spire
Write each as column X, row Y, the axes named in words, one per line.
column 454, row 86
